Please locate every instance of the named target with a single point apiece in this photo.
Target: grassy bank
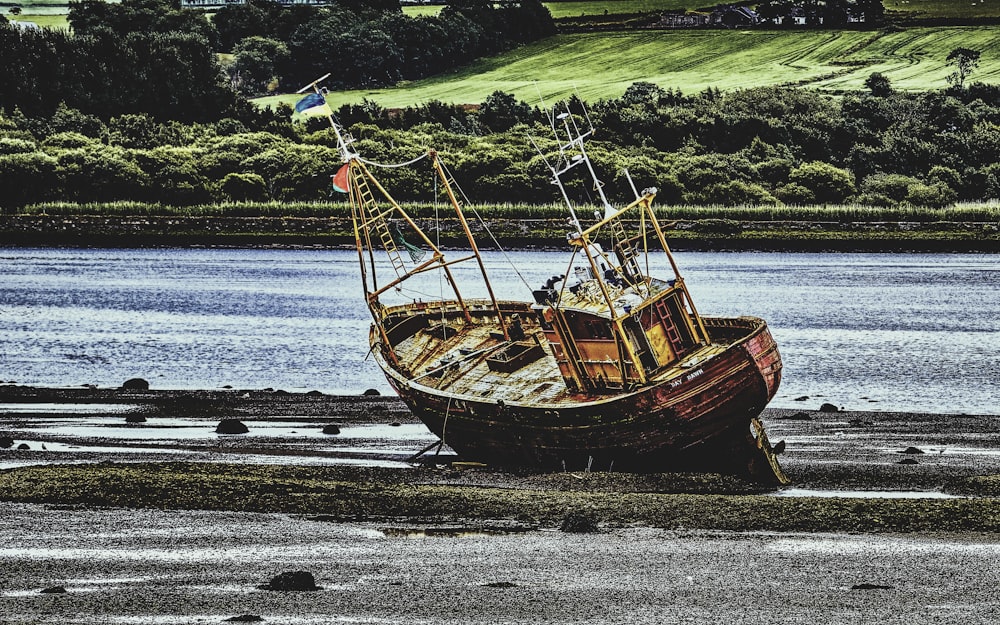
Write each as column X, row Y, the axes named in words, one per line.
column 976, row 229
column 963, row 212
column 427, row 496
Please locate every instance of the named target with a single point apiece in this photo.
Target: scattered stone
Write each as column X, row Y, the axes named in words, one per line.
column 231, row 426
column 801, row 398
column 500, row 585
column 291, row 581
column 23, row 446
column 828, row 407
column 331, row 428
column 798, row 416
column 135, row 418
column 135, row 384
column 6, row 442
column 371, row 392
column 580, row 522
column 908, row 461
column 53, row 590
column 245, row 618
column 912, row 450
column 867, row 586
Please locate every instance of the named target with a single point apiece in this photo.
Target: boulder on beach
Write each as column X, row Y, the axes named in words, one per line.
column 798, row 416
column 245, row 618
column 912, row 450
column 331, row 428
column 135, row 384
column 6, row 442
column 292, row 581
column 500, row 585
column 23, row 446
column 371, row 392
column 828, row 407
column 135, row 418
column 580, row 522
column 231, row 426
column 908, row 461
column 314, row 393
column 53, row 590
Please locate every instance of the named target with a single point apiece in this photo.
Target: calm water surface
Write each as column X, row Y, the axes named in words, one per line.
column 864, row 331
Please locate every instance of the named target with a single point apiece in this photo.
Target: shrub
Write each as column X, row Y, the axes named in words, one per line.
column 831, row 184
column 244, row 187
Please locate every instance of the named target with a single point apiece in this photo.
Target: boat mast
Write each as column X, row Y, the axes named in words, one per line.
column 368, row 216
column 446, row 181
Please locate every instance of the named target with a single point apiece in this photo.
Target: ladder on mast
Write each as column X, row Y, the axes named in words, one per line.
column 375, row 219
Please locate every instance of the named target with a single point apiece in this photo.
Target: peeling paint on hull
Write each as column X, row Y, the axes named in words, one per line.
column 696, row 420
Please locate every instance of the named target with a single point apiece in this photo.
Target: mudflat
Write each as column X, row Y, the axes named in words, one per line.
column 892, row 518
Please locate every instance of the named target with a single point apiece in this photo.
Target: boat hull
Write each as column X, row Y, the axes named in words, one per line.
column 702, row 420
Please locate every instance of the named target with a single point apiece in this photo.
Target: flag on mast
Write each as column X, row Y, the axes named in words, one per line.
column 313, row 104
column 340, row 178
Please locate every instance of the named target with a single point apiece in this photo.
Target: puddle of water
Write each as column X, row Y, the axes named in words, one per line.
column 404, row 432
column 863, row 494
column 58, row 447
column 43, row 408
column 450, row 532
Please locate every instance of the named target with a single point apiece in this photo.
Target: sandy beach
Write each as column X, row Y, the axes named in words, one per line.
column 488, row 563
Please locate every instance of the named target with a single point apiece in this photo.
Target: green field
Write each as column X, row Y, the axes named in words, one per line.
column 927, row 9
column 45, row 21
column 944, row 8
column 603, row 65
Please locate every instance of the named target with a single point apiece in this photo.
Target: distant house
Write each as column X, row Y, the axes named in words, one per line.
column 682, row 20
column 25, row 25
column 220, row 3
column 733, row 16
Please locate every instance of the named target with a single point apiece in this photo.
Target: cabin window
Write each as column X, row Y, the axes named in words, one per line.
column 591, row 327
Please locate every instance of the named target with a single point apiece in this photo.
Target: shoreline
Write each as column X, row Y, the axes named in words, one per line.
column 192, row 535
column 90, row 231
column 345, row 477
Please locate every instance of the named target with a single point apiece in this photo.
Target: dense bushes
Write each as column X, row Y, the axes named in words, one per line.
column 759, row 146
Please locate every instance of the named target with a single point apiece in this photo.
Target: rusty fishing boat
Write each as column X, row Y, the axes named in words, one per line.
column 605, row 367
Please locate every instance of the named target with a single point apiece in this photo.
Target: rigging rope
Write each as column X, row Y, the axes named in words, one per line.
column 486, row 226
column 392, row 165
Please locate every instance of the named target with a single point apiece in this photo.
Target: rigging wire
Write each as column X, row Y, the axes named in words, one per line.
column 485, row 225
column 440, row 274
column 391, row 165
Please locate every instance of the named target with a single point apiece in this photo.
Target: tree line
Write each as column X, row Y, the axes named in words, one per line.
column 153, row 57
column 771, row 145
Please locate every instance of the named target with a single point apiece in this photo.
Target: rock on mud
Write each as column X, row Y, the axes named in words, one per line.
column 231, row 426
column 291, row 581
column 135, row 384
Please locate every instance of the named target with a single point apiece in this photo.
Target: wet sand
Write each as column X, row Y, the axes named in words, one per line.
column 141, row 566
column 168, row 566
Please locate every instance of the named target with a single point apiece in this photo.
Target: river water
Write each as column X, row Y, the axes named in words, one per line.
column 900, row 332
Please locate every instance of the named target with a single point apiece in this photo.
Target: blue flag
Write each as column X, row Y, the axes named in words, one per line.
column 313, row 104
